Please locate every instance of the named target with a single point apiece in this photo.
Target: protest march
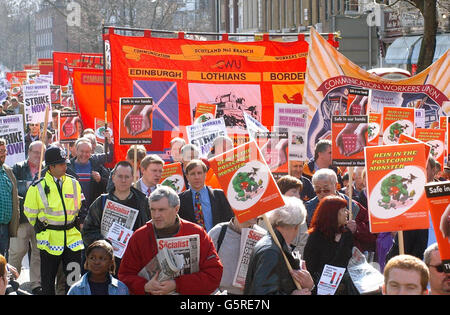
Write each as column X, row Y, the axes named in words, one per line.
column 172, row 166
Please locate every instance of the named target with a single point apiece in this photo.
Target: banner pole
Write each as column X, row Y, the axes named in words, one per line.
column 135, row 164
column 275, row 238
column 350, row 192
column 104, row 83
column 401, row 244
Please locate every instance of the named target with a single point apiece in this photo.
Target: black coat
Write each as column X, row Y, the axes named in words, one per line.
column 22, row 173
column 91, row 230
column 320, row 251
column 220, row 208
column 267, row 271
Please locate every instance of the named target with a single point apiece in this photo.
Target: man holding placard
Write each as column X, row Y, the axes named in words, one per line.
column 128, row 207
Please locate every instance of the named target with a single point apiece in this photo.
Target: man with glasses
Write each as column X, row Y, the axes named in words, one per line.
column 324, row 182
column 25, row 172
column 439, row 280
column 123, row 193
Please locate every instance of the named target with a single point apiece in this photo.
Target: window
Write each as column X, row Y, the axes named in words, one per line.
column 351, row 6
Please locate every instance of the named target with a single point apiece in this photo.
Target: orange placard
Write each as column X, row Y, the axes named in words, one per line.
column 204, row 112
column 172, row 176
column 396, row 177
column 408, row 139
column 374, row 129
column 397, row 120
column 70, row 126
column 349, row 134
column 443, row 122
column 438, row 195
column 247, row 181
column 135, row 125
column 436, row 139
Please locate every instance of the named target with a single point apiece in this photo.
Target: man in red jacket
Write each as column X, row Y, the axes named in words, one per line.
column 143, row 246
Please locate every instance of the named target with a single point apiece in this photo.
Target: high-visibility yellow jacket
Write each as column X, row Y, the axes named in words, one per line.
column 43, row 202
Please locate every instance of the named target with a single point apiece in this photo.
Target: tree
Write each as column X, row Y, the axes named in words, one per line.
column 428, row 8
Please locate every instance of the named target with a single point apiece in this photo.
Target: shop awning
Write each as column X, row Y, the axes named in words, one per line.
column 400, row 51
column 442, row 44
column 406, row 49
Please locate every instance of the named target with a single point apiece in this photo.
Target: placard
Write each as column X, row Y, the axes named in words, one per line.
column 397, row 120
column 247, row 181
column 349, row 134
column 37, row 98
column 396, row 177
column 135, row 125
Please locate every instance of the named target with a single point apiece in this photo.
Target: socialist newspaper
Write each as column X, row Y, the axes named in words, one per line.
column 249, row 237
column 115, row 212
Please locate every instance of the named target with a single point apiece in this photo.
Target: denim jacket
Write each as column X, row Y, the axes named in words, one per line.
column 115, row 287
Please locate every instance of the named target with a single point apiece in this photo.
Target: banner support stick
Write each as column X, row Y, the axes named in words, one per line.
column 401, row 244
column 135, row 164
column 43, row 136
column 350, row 192
column 105, row 101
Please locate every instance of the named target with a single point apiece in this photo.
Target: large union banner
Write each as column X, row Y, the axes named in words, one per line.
column 330, row 76
column 179, row 74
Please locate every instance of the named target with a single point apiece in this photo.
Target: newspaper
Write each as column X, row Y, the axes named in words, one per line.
column 330, row 279
column 249, row 237
column 365, row 277
column 119, row 236
column 166, row 262
column 115, row 212
column 188, row 246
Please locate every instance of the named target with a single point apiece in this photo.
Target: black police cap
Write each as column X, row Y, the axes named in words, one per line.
column 55, row 155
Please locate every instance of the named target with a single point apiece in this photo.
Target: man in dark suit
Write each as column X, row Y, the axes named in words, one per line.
column 201, row 204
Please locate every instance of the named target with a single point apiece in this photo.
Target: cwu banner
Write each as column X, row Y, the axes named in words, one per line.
column 239, row 77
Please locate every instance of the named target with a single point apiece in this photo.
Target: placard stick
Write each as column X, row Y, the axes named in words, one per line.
column 401, row 244
column 275, row 238
column 350, row 192
column 136, row 177
column 43, row 137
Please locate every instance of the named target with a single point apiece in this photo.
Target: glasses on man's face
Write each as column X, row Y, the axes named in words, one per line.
column 124, row 177
column 439, row 268
column 322, row 190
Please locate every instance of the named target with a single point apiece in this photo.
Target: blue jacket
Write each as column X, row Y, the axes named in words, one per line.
column 116, row 287
column 312, row 204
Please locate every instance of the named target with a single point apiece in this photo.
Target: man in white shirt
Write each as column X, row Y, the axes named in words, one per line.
column 151, row 169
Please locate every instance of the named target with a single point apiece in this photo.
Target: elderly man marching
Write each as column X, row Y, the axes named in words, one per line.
column 51, row 205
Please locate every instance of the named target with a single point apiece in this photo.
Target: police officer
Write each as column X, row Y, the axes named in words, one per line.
column 52, row 205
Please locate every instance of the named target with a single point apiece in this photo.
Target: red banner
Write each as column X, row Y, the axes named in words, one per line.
column 89, row 95
column 83, row 60
column 45, row 65
column 239, row 77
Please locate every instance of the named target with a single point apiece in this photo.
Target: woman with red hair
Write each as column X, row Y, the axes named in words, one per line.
column 330, row 241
